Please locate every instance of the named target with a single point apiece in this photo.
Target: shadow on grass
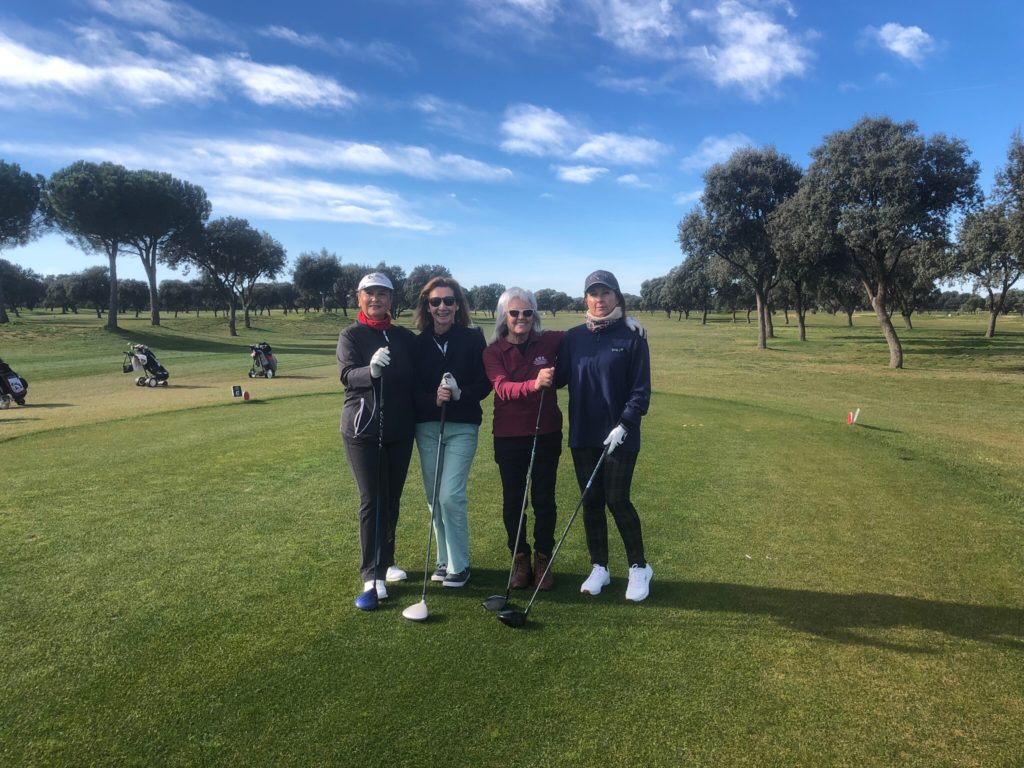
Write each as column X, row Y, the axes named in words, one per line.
column 838, row 617
column 879, row 429
column 47, row 405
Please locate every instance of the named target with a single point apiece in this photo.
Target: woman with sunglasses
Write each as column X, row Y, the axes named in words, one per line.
column 520, row 364
column 451, row 375
column 376, row 362
column 608, row 371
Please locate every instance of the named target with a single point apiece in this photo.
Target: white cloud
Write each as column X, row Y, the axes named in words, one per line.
column 715, row 149
column 687, row 198
column 176, row 19
column 753, row 52
column 620, row 150
column 531, row 130
column 375, row 51
column 452, row 117
column 640, row 27
column 632, row 180
column 204, row 156
column 524, row 14
column 579, row 174
column 290, row 86
column 123, row 78
column 296, row 199
column 910, row 43
column 539, row 131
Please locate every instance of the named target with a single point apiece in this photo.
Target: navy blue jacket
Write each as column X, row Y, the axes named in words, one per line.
column 463, row 359
column 609, row 378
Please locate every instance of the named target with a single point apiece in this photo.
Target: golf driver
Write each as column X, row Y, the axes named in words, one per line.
column 367, row 601
column 515, row 618
column 418, row 611
column 497, row 602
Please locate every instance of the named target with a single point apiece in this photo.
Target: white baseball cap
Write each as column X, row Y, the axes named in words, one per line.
column 375, row 278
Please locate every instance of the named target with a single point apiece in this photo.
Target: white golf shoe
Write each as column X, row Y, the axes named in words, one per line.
column 382, row 591
column 596, row 581
column 639, row 582
column 395, row 574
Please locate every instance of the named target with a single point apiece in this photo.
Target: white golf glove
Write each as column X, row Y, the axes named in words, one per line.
column 615, row 438
column 380, row 360
column 634, row 325
column 448, row 382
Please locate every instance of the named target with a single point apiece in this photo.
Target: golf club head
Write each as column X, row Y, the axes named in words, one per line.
column 367, row 601
column 512, row 618
column 495, row 602
column 416, row 612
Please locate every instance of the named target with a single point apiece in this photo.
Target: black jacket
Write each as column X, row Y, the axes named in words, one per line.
column 359, row 415
column 463, row 359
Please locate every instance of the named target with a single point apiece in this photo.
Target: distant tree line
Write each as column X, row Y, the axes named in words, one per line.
column 881, row 216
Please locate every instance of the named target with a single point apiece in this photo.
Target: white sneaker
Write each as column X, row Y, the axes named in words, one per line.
column 639, row 582
column 382, row 591
column 596, row 581
column 395, row 574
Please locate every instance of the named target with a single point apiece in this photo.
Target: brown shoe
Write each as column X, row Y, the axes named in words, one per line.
column 540, row 563
column 521, row 576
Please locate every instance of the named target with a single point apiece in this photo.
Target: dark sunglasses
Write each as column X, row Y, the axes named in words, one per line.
column 437, row 301
column 523, row 312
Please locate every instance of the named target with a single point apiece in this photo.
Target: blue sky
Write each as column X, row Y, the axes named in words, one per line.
column 526, row 142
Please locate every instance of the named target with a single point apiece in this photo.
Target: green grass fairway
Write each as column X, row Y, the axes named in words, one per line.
column 177, row 567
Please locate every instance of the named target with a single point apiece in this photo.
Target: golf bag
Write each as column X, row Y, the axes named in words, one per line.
column 13, row 388
column 263, row 361
column 140, row 359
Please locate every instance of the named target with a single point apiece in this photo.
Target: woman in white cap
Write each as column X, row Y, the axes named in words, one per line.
column 376, row 362
column 450, row 376
column 608, row 371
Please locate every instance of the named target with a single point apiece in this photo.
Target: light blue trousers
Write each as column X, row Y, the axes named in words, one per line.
column 451, row 521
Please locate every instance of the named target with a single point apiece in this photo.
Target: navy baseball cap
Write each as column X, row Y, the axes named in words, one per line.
column 601, row 277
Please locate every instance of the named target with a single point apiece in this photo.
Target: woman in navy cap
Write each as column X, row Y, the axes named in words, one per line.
column 376, row 362
column 608, row 371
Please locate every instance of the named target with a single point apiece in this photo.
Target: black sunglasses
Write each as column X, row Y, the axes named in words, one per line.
column 523, row 312
column 437, row 301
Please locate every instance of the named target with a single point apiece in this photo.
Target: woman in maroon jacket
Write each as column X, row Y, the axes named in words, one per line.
column 520, row 364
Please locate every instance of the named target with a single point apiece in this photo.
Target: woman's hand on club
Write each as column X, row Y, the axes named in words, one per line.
column 545, row 378
column 380, row 360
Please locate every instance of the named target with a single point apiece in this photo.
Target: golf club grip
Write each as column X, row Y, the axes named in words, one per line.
column 568, row 525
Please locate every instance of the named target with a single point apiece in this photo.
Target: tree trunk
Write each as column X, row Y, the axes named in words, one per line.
column 908, row 324
column 704, row 317
column 762, row 323
column 878, row 304
column 245, row 316
column 801, row 324
column 785, row 313
column 112, row 309
column 849, row 318
column 769, row 324
column 3, row 306
column 149, row 264
column 232, row 327
column 991, row 331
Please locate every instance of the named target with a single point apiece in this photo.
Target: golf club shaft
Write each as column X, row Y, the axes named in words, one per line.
column 568, row 525
column 526, row 495
column 380, row 472
column 433, row 500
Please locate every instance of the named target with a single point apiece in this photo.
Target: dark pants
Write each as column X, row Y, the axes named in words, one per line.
column 512, row 455
column 390, row 473
column 611, row 488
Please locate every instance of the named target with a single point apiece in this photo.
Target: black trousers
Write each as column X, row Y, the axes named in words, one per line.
column 512, row 455
column 611, row 487
column 389, row 476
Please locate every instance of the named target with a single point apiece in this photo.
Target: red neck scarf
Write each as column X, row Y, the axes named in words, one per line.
column 377, row 325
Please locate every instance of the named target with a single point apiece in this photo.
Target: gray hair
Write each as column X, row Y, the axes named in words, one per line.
column 501, row 311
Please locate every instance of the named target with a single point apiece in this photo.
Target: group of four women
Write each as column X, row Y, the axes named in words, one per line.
column 401, row 387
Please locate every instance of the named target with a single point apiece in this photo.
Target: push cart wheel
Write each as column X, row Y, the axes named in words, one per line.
column 270, row 373
column 5, row 402
column 252, row 374
column 140, row 382
column 152, row 382
column 164, row 382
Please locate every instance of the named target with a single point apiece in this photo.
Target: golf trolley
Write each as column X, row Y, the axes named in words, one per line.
column 140, row 359
column 263, row 361
column 13, row 388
